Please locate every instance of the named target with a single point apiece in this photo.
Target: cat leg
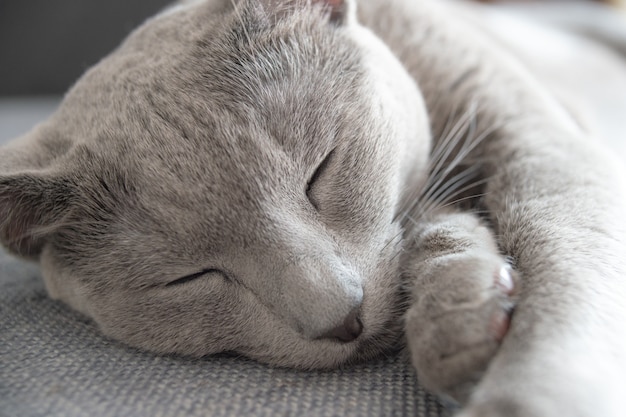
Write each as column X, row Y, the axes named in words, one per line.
column 565, row 352
column 461, row 300
column 557, row 203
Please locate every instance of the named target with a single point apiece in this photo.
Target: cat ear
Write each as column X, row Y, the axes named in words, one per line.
column 340, row 11
column 31, row 205
column 34, row 197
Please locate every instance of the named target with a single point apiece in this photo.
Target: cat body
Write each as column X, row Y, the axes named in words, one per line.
column 552, row 223
column 276, row 178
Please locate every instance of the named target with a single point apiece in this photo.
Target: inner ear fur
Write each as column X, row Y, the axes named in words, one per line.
column 34, row 196
column 32, row 206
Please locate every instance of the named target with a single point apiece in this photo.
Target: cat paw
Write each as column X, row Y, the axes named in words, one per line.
column 455, row 327
column 515, row 404
column 495, row 409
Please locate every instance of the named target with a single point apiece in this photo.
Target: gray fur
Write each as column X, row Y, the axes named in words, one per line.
column 191, row 148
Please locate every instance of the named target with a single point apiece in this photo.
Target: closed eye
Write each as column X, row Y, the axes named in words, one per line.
column 316, row 175
column 192, row 277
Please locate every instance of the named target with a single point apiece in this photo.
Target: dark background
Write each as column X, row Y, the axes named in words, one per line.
column 45, row 45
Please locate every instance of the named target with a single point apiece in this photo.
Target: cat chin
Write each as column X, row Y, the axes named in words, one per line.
column 328, row 354
column 331, row 355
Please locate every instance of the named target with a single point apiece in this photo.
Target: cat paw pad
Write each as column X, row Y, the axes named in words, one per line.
column 501, row 319
column 454, row 331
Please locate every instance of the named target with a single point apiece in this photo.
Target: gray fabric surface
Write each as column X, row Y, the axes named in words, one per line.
column 53, row 361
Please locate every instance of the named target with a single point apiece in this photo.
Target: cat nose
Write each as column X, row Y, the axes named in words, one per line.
column 349, row 330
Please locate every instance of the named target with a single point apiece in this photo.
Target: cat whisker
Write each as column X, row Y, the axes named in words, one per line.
column 462, row 133
column 446, row 130
column 398, row 253
column 443, row 149
column 391, row 240
column 436, row 156
column 446, row 202
column 467, row 148
column 455, row 181
column 471, row 197
column 455, row 186
column 447, row 147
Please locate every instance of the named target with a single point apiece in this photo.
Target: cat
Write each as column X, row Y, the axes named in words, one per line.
column 313, row 183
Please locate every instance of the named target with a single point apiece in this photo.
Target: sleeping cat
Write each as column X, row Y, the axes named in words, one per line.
column 312, row 183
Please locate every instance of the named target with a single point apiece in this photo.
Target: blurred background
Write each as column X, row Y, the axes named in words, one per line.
column 46, row 45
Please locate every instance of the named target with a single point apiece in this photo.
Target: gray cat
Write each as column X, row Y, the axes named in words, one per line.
column 310, row 183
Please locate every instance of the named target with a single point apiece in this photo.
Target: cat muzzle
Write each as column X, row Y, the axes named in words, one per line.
column 349, row 330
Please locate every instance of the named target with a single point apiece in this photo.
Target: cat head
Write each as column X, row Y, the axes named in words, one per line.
column 228, row 179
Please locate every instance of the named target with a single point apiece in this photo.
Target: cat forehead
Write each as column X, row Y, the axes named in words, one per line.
column 237, row 49
column 212, row 77
column 206, row 114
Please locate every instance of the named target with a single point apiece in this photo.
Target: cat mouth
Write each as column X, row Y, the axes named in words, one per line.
column 349, row 330
column 375, row 339
column 387, row 338
column 380, row 333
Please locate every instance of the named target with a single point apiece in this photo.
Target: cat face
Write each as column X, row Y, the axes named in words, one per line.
column 228, row 180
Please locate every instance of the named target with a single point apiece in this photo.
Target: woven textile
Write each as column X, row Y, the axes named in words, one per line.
column 53, row 362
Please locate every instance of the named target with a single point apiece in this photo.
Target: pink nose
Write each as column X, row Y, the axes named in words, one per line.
column 349, row 330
